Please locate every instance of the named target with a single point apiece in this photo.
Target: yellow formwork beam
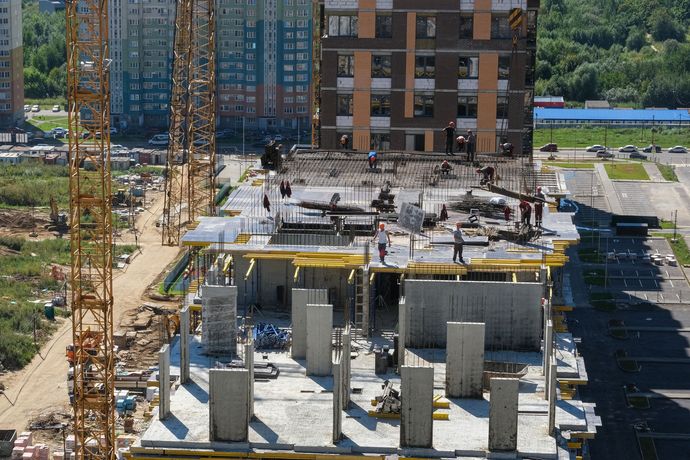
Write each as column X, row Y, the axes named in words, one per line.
column 351, row 277
column 252, row 263
column 296, row 275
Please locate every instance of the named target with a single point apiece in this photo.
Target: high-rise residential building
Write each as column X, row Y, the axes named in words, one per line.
column 395, row 72
column 141, row 40
column 263, row 66
column 264, row 63
column 11, row 64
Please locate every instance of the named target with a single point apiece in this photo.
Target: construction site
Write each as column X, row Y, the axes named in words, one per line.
column 321, row 310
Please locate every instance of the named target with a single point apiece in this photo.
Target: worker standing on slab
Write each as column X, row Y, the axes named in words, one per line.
column 267, row 203
column 372, row 159
column 488, row 173
column 344, row 142
column 383, row 239
column 506, row 213
column 449, row 131
column 446, row 168
column 458, row 242
column 539, row 206
column 460, row 142
column 525, row 212
column 507, row 149
column 444, row 213
column 471, row 140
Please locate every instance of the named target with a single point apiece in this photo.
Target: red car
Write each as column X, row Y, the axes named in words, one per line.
column 549, row 148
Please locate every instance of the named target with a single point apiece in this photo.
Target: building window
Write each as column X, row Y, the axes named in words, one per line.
column 384, row 26
column 466, row 24
column 468, row 67
column 380, row 66
column 424, row 105
column 501, row 107
column 503, row 67
column 380, row 141
column 380, row 105
column 425, row 67
column 344, row 105
column 467, row 107
column 346, row 65
column 499, row 26
column 342, row 26
column 426, row 26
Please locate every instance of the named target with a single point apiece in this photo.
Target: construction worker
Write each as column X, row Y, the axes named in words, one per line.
column 525, row 212
column 539, row 206
column 444, row 213
column 471, row 140
column 446, row 168
column 506, row 213
column 450, row 137
column 282, row 189
column 288, row 189
column 344, row 142
column 458, row 242
column 267, row 203
column 488, row 173
column 372, row 159
column 383, row 239
column 460, row 142
column 507, row 149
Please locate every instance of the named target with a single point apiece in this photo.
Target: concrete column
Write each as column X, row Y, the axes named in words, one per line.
column 365, row 302
column 228, row 405
column 503, row 414
column 548, row 353
column 300, row 299
column 416, row 415
column 464, row 360
column 219, row 325
column 337, row 400
column 249, row 365
column 552, row 395
column 164, row 382
column 347, row 368
column 402, row 330
column 319, row 341
column 184, row 345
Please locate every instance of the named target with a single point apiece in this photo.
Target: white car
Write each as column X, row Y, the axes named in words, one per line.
column 35, row 108
column 278, row 138
column 678, row 149
column 628, row 149
column 56, row 108
column 27, row 108
column 595, row 148
column 159, row 139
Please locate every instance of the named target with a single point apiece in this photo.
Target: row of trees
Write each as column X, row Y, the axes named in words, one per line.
column 627, row 51
column 44, row 53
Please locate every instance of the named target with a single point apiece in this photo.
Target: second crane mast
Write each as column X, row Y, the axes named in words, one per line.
column 190, row 170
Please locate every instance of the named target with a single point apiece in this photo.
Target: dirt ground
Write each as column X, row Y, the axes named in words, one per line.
column 40, row 389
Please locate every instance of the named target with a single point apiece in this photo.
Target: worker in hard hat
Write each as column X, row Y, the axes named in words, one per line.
column 470, row 140
column 384, row 240
column 539, row 206
column 372, row 159
column 460, row 143
column 449, row 131
column 507, row 149
column 488, row 173
column 446, row 168
column 525, row 212
column 458, row 242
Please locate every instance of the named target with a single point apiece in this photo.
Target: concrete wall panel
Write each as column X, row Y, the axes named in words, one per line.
column 300, row 299
column 319, row 339
column 228, row 404
column 465, row 360
column 416, row 415
column 503, row 414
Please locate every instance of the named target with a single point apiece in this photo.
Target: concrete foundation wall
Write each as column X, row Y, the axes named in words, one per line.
column 319, row 339
column 219, row 319
column 416, row 414
column 228, row 405
column 465, row 360
column 503, row 414
column 511, row 312
column 300, row 299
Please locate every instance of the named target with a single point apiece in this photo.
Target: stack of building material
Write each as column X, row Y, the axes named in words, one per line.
column 25, row 450
column 124, row 402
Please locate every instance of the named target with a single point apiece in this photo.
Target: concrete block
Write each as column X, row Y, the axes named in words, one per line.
column 319, row 341
column 219, row 325
column 164, row 382
column 464, row 360
column 228, row 405
column 416, row 415
column 503, row 414
column 300, row 299
column 337, row 400
column 184, row 345
column 249, row 365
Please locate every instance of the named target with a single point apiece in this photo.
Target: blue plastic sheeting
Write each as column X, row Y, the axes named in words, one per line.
column 644, row 115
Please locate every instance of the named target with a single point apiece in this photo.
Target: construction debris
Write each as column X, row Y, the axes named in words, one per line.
column 269, row 337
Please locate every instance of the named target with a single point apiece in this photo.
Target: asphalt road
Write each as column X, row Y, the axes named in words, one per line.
column 581, row 154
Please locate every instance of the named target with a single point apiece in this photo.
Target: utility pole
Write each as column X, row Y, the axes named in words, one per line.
column 675, row 225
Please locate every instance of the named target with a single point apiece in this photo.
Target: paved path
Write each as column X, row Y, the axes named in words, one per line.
column 653, row 172
column 615, row 204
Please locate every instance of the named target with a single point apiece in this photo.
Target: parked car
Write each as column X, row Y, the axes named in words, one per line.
column 678, row 149
column 595, row 148
column 652, row 149
column 35, row 108
column 628, row 149
column 278, row 138
column 56, row 108
column 637, row 155
column 604, row 153
column 113, row 130
column 159, row 139
column 551, row 147
column 224, row 133
column 27, row 108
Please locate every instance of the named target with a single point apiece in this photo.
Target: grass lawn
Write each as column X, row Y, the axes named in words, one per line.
column 679, row 247
column 591, row 255
column 602, row 301
column 585, row 136
column 629, row 171
column 668, row 171
column 571, row 165
column 594, row 277
column 47, row 122
column 666, row 224
column 27, row 185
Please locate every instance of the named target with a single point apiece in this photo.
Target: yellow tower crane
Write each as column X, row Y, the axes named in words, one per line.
column 190, row 167
column 90, row 228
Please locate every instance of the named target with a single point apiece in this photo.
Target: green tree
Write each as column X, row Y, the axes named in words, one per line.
column 636, row 40
column 666, row 28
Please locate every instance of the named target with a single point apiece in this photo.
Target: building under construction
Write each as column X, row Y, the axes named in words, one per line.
column 310, row 346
